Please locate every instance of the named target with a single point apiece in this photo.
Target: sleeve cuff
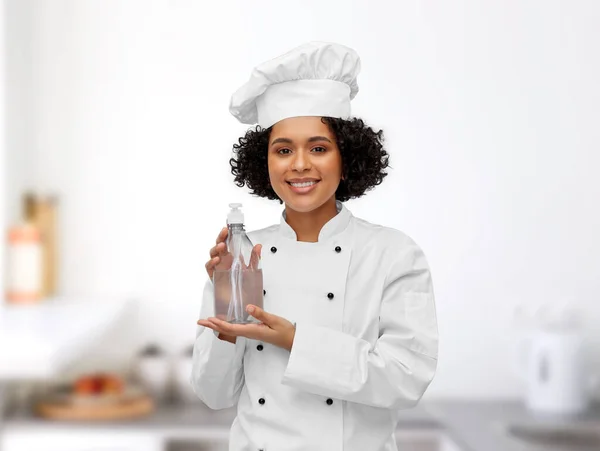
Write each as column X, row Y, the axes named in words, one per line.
column 218, row 353
column 317, row 353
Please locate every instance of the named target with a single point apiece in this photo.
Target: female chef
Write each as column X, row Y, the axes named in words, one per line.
column 348, row 334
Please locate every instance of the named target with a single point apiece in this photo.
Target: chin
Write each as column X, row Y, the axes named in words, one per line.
column 304, row 205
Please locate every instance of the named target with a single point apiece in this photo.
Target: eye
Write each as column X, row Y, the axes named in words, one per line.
column 283, row 151
column 322, row 149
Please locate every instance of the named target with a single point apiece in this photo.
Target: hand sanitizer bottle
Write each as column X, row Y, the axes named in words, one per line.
column 237, row 279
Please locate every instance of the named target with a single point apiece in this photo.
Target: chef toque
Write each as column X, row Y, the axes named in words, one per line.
column 314, row 79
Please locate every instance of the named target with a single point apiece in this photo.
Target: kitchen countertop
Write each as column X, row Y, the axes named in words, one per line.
column 481, row 425
column 177, row 416
column 472, row 425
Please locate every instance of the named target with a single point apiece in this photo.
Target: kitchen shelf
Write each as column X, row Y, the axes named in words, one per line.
column 37, row 341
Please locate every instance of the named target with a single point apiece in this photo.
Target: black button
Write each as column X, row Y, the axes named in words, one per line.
column 330, row 295
column 260, row 347
column 264, row 292
column 329, row 401
column 338, row 249
column 261, row 401
column 273, row 249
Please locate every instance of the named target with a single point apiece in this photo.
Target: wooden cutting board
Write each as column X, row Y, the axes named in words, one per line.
column 117, row 409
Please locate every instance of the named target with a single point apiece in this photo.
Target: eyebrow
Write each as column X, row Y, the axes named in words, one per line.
column 310, row 140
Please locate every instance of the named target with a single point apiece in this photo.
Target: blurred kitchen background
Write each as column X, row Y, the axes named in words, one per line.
column 115, row 176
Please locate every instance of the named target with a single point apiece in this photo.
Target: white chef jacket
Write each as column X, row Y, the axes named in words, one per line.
column 366, row 341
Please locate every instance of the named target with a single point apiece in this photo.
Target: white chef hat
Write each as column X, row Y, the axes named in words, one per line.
column 314, row 79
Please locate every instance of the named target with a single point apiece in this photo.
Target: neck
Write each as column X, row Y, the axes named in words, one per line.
column 308, row 225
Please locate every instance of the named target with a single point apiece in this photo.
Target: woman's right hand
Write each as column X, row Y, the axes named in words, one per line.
column 217, row 254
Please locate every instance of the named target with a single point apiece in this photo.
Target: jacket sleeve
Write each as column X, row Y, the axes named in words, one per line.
column 394, row 372
column 217, row 365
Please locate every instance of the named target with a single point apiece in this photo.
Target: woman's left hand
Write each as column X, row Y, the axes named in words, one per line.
column 273, row 329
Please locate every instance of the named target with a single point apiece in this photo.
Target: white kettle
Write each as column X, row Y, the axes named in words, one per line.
column 558, row 380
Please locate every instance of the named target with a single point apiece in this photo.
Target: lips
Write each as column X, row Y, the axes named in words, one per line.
column 303, row 187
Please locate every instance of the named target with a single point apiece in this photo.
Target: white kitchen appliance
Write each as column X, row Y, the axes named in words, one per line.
column 553, row 361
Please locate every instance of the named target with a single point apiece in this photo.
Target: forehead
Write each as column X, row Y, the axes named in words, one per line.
column 300, row 128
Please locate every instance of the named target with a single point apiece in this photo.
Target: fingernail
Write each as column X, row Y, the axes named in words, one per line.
column 250, row 309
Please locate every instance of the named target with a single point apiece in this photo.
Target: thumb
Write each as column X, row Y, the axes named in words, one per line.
column 261, row 315
column 255, row 256
column 258, row 250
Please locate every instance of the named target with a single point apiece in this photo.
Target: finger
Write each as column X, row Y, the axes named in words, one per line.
column 222, row 235
column 222, row 324
column 206, row 323
column 252, row 331
column 215, row 325
column 218, row 249
column 268, row 318
column 224, row 327
column 255, row 256
column 211, row 264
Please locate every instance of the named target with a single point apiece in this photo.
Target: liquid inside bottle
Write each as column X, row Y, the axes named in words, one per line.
column 237, row 279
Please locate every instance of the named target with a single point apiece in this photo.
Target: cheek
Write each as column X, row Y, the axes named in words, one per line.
column 275, row 170
column 333, row 165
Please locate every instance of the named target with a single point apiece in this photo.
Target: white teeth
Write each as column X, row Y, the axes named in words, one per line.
column 303, row 184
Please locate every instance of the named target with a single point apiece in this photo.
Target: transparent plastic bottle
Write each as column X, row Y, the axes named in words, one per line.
column 237, row 279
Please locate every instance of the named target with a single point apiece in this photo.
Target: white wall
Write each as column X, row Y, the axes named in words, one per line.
column 490, row 111
column 3, row 181
column 20, row 122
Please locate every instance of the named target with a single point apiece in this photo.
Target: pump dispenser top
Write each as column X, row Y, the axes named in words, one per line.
column 235, row 216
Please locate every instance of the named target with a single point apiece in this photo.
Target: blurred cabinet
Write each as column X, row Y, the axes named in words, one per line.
column 430, row 439
column 197, row 445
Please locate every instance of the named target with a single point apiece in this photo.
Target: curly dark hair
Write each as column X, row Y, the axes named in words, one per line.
column 364, row 159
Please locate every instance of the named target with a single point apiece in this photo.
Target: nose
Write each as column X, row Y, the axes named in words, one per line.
column 301, row 161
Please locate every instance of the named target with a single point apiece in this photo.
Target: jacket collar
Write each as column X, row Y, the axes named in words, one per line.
column 334, row 226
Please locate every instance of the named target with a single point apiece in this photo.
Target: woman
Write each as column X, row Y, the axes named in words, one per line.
column 348, row 334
